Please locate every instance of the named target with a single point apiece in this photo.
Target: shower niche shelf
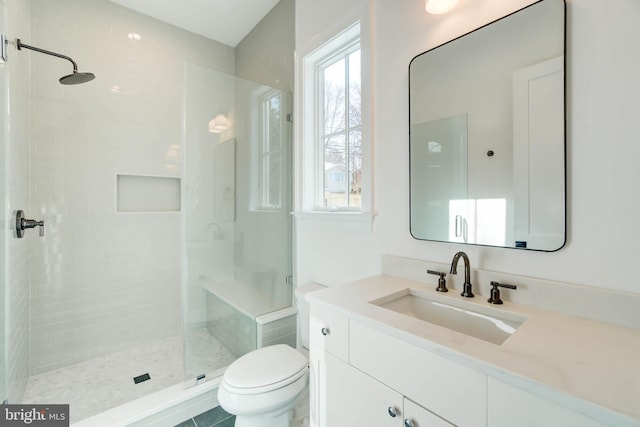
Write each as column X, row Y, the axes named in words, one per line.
column 146, row 193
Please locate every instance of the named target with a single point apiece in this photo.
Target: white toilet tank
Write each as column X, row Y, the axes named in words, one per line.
column 303, row 312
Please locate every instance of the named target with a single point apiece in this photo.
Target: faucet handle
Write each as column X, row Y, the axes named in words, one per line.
column 495, row 292
column 442, row 282
column 23, row 224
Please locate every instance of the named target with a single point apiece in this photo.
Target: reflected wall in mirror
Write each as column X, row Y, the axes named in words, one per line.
column 487, row 134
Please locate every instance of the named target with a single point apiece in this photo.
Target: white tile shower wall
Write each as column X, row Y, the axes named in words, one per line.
column 5, row 232
column 102, row 281
column 18, row 196
column 281, row 331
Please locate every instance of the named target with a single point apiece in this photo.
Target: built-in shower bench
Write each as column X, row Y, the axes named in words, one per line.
column 243, row 318
column 242, row 296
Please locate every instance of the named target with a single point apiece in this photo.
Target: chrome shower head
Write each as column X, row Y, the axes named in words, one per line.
column 76, row 78
column 70, row 79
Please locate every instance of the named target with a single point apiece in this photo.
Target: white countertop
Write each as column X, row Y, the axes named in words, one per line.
column 556, row 356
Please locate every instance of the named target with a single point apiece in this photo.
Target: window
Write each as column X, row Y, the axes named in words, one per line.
column 333, row 165
column 340, row 128
column 270, row 151
column 337, row 177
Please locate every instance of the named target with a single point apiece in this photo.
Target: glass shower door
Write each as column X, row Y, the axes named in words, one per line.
column 236, row 219
column 4, row 234
column 440, row 206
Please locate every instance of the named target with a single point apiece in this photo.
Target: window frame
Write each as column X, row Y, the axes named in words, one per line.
column 306, row 124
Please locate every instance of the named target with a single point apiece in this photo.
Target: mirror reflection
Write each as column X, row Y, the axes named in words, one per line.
column 487, row 134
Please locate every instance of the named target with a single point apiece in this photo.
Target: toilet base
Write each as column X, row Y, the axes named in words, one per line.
column 282, row 420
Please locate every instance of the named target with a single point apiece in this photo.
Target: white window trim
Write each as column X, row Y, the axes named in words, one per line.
column 262, row 141
column 307, row 127
column 365, row 218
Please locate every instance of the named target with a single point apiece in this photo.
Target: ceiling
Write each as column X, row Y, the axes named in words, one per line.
column 227, row 21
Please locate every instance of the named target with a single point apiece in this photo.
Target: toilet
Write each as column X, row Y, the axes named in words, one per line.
column 262, row 387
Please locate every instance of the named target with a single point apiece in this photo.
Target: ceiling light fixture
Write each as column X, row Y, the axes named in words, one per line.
column 219, row 124
column 437, row 7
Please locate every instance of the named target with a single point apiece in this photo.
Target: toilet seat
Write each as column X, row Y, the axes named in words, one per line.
column 261, row 406
column 265, row 370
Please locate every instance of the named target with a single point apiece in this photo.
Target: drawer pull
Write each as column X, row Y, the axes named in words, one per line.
column 408, row 423
column 324, row 331
column 393, row 412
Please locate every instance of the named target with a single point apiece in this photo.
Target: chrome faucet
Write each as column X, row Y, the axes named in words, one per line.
column 466, row 287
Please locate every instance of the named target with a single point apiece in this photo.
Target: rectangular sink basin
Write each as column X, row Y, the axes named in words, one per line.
column 483, row 323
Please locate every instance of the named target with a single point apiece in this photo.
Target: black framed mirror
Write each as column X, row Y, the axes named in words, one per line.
column 487, row 134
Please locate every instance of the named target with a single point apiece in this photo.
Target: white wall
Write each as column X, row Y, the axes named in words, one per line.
column 17, row 155
column 601, row 143
column 101, row 280
column 265, row 55
column 329, row 251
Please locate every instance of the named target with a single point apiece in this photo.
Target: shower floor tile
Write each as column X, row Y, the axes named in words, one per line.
column 105, row 382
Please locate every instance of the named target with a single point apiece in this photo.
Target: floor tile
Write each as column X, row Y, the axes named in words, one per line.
column 229, row 422
column 212, row 417
column 188, row 423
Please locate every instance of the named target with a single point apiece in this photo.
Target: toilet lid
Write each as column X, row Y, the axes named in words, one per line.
column 266, row 369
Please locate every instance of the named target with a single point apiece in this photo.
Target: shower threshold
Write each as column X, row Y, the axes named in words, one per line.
column 169, row 406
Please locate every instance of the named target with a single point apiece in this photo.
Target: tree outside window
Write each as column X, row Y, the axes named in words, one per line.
column 341, row 129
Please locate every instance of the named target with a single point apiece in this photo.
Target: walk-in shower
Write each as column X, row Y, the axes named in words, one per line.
column 167, row 251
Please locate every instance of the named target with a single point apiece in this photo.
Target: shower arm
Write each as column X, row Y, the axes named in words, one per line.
column 21, row 45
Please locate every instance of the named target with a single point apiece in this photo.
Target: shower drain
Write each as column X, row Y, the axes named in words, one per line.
column 141, row 378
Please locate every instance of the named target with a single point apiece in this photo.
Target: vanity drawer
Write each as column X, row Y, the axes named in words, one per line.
column 329, row 331
column 418, row 416
column 448, row 389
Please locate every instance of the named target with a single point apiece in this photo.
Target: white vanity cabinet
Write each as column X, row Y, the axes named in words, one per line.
column 349, row 397
column 341, row 394
column 452, row 391
column 510, row 406
column 366, row 358
column 329, row 331
column 417, row 416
